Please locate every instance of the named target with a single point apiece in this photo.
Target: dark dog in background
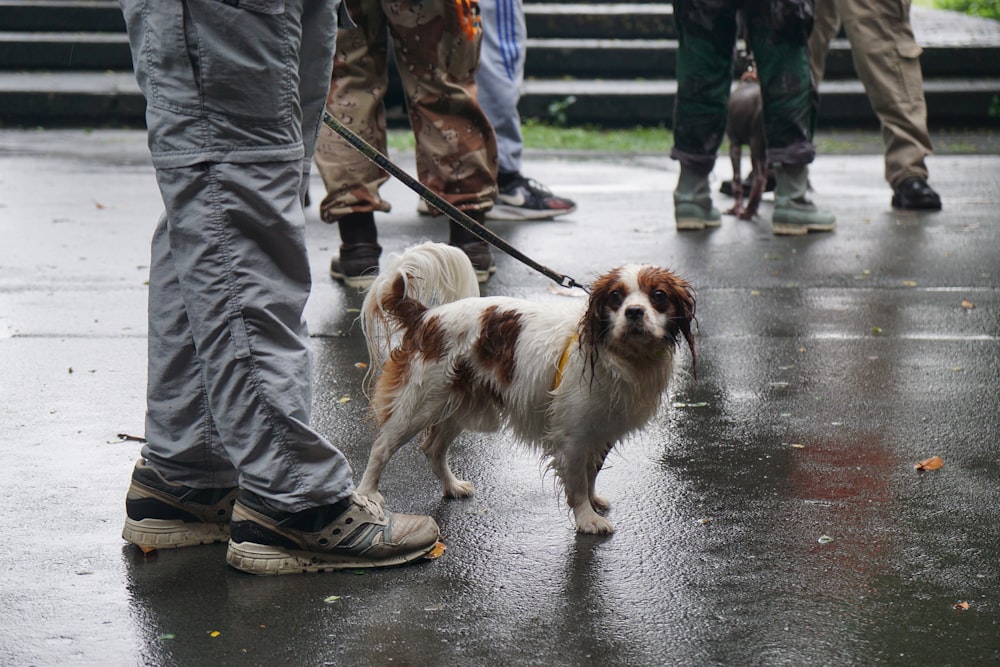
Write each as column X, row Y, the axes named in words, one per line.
column 745, row 127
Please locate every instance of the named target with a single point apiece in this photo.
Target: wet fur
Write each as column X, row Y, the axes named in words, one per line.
column 453, row 361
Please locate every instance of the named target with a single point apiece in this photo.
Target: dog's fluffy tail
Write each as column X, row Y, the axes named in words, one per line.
column 410, row 283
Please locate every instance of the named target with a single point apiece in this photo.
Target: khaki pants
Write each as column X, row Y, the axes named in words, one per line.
column 886, row 58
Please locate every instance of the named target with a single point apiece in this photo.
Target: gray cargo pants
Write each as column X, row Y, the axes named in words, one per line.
column 234, row 96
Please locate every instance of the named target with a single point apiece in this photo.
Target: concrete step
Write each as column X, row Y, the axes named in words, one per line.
column 546, row 58
column 657, row 58
column 67, row 62
column 61, row 15
column 113, row 99
column 950, row 102
column 624, row 20
column 65, row 51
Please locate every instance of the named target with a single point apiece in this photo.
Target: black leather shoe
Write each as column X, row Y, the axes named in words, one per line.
column 914, row 194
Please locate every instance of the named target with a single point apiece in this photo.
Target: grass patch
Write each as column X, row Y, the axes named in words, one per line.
column 538, row 135
column 659, row 140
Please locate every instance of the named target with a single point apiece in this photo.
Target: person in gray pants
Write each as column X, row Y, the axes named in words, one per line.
column 499, row 80
column 234, row 94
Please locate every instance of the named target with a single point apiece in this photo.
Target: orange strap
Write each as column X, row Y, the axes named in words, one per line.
column 468, row 18
column 563, row 360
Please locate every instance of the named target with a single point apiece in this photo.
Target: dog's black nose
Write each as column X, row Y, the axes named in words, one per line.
column 634, row 313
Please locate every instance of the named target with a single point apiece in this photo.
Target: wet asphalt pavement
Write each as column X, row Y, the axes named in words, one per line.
column 770, row 514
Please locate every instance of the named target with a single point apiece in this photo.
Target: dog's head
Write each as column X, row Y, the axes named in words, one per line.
column 636, row 310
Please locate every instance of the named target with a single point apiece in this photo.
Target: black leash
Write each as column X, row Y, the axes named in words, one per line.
column 458, row 216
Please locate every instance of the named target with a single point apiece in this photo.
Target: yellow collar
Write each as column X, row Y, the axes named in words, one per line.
column 563, row 360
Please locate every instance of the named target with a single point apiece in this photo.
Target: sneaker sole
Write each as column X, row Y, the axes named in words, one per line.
column 794, row 229
column 504, row 212
column 898, row 205
column 688, row 224
column 166, row 534
column 266, row 559
column 357, row 282
column 484, row 276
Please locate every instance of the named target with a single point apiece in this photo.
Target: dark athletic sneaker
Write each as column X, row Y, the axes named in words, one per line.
column 479, row 254
column 357, row 264
column 526, row 199
column 354, row 533
column 164, row 515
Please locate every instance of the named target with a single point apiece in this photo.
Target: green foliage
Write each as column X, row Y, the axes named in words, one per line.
column 542, row 135
column 986, row 8
column 557, row 110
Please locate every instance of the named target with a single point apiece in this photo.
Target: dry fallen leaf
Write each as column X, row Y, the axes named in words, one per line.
column 933, row 463
column 362, row 365
column 214, row 633
column 968, row 305
column 147, row 550
column 961, row 605
column 344, row 399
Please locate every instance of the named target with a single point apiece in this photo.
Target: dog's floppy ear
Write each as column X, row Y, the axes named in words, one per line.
column 686, row 304
column 594, row 326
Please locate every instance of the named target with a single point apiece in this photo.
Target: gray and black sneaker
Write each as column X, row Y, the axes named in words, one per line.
column 353, row 533
column 164, row 515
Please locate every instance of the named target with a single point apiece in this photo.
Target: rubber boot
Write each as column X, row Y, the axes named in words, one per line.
column 794, row 214
column 693, row 201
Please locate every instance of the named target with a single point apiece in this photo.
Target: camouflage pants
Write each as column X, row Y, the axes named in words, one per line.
column 779, row 30
column 437, row 56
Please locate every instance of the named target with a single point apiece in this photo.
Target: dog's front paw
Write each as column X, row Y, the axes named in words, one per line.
column 373, row 496
column 459, row 489
column 590, row 522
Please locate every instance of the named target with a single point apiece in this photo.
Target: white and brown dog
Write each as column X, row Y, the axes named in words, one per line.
column 570, row 378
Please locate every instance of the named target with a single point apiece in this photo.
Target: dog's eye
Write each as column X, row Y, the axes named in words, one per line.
column 616, row 298
column 658, row 296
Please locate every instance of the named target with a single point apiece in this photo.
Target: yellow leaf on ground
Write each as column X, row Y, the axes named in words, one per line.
column 961, row 605
column 933, row 463
column 436, row 552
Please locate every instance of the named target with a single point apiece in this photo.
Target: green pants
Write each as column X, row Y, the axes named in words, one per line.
column 778, row 33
